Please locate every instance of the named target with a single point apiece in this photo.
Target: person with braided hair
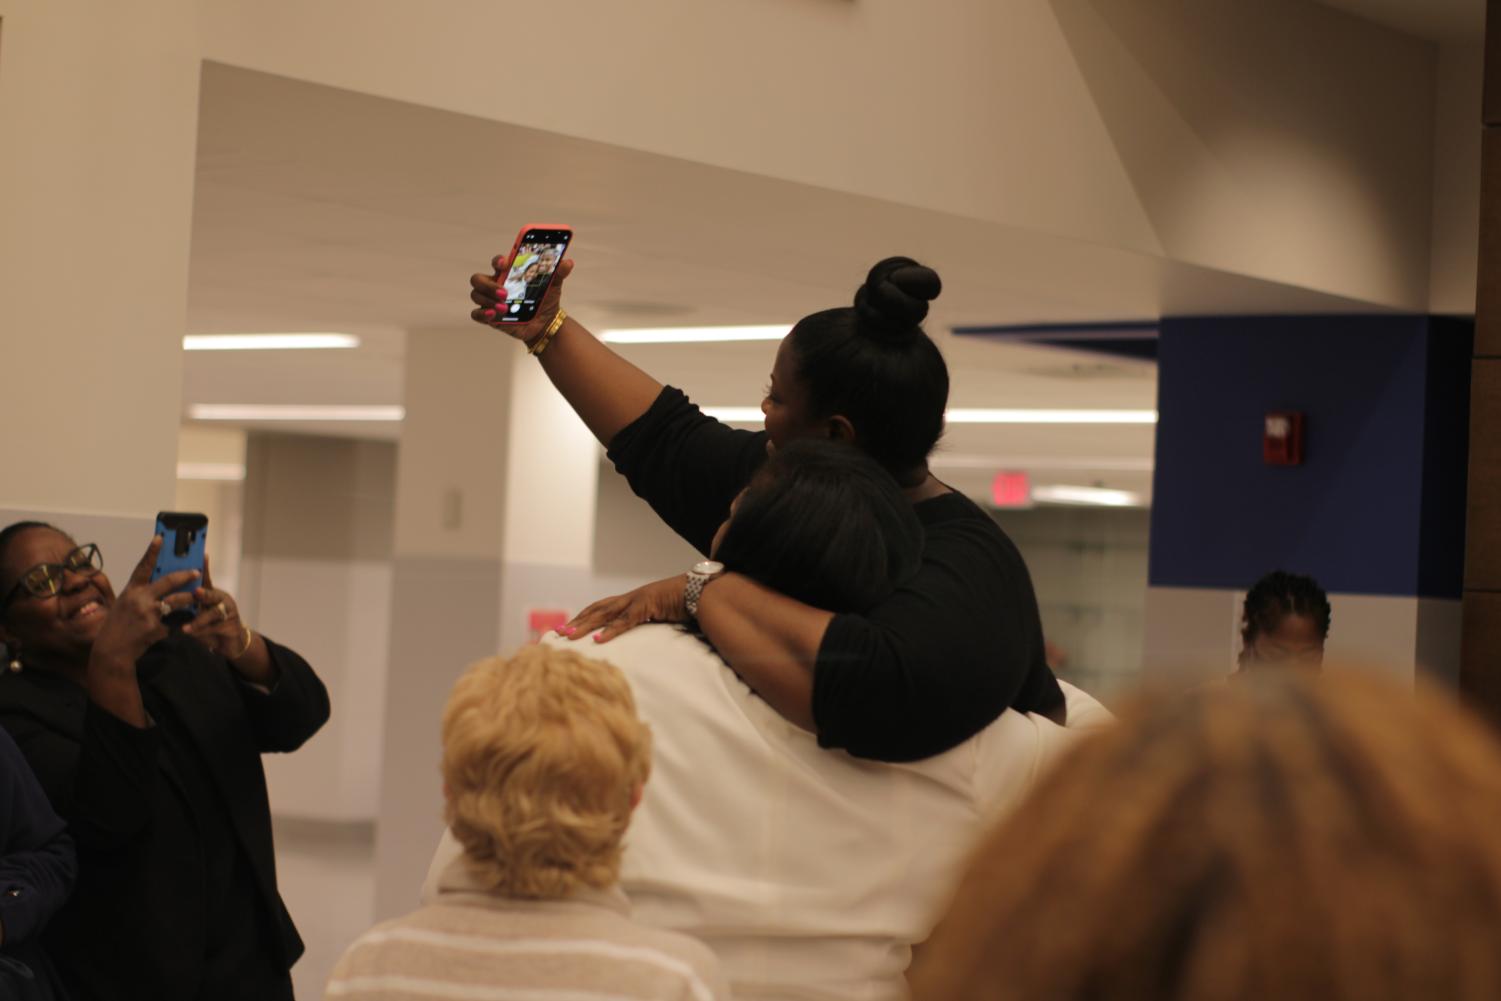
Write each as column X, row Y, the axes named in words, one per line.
column 1284, row 623
column 923, row 671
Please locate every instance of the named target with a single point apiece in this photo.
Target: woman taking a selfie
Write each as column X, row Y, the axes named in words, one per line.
column 925, row 669
column 148, row 744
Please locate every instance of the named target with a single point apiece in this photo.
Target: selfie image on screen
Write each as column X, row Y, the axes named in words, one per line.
column 530, row 272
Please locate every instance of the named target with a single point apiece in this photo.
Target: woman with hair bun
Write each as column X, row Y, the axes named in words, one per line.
column 925, row 669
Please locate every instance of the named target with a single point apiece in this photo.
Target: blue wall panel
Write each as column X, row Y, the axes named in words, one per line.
column 1380, row 448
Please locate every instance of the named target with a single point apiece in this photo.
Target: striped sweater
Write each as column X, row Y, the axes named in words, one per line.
column 469, row 945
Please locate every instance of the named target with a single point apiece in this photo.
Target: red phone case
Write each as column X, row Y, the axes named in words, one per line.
column 559, row 227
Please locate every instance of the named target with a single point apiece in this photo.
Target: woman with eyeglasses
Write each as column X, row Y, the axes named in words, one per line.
column 147, row 740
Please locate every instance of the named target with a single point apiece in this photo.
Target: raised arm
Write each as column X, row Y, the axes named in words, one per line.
column 605, row 390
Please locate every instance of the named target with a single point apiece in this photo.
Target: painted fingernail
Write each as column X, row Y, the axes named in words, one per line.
column 489, row 314
column 599, row 637
column 567, row 630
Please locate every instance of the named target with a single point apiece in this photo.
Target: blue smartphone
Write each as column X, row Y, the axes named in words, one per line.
column 184, row 539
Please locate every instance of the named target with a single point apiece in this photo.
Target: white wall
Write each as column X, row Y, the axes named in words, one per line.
column 1089, row 568
column 98, row 113
column 1193, row 635
column 1281, row 139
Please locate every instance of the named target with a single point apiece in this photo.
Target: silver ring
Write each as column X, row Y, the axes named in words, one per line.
column 164, row 608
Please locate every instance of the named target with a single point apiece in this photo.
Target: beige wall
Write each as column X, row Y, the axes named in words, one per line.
column 1280, row 139
column 1456, row 180
column 316, row 576
column 98, row 113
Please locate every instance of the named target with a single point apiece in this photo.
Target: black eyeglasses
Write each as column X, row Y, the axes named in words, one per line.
column 46, row 579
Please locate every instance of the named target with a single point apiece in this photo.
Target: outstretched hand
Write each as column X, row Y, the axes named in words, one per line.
column 659, row 601
column 489, row 295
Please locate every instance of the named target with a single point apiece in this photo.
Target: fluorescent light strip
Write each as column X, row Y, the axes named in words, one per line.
column 961, row 415
column 695, row 335
column 225, row 471
column 1114, row 464
column 751, row 415
column 292, row 412
column 736, row 415
column 268, row 342
column 1098, row 496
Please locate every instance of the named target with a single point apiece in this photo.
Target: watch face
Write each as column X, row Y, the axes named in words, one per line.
column 708, row 567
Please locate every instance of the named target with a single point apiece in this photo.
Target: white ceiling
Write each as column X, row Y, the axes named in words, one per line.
column 321, row 209
column 1445, row 21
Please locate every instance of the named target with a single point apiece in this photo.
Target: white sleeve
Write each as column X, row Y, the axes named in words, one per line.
column 1084, row 710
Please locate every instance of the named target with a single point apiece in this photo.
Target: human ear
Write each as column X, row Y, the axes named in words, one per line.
column 840, row 429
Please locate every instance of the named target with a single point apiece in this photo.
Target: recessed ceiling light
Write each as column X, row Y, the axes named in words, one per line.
column 1105, row 463
column 268, row 342
column 292, row 412
column 1100, row 496
column 695, row 335
column 228, row 471
column 962, row 415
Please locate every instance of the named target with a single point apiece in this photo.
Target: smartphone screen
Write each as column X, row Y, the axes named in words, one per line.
column 538, row 254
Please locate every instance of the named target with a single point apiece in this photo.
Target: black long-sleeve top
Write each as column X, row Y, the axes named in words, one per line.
column 927, row 668
column 177, row 897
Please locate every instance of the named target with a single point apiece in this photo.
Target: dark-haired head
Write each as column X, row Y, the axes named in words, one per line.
column 1284, row 623
column 10, row 575
column 867, row 373
column 55, row 631
column 824, row 524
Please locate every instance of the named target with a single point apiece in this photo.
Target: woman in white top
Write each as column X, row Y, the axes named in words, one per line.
column 809, row 872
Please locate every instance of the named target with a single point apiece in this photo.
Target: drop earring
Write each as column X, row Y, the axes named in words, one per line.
column 14, row 664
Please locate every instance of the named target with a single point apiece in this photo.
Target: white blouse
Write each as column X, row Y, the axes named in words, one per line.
column 810, row 873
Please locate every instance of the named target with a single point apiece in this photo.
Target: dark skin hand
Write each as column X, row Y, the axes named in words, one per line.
column 605, row 390
column 133, row 625
column 218, row 627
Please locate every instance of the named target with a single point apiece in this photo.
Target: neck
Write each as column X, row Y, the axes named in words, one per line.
column 73, row 670
column 920, row 485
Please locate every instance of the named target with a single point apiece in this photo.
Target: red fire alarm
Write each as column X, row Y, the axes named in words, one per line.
column 1282, row 439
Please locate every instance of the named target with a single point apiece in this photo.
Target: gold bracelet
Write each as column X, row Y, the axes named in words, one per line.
column 539, row 345
column 249, row 639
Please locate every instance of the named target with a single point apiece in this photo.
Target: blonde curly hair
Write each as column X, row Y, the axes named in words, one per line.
column 543, row 757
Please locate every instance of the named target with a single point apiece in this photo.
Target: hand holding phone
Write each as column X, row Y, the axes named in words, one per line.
column 184, row 542
column 531, row 265
column 525, row 283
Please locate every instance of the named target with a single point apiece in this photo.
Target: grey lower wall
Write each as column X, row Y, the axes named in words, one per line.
column 443, row 618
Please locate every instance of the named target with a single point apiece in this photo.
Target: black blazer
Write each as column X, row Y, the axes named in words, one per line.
column 134, row 927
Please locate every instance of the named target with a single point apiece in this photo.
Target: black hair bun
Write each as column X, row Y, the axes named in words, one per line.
column 894, row 299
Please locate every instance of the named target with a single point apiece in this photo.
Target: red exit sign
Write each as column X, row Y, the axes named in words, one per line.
column 1011, row 489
